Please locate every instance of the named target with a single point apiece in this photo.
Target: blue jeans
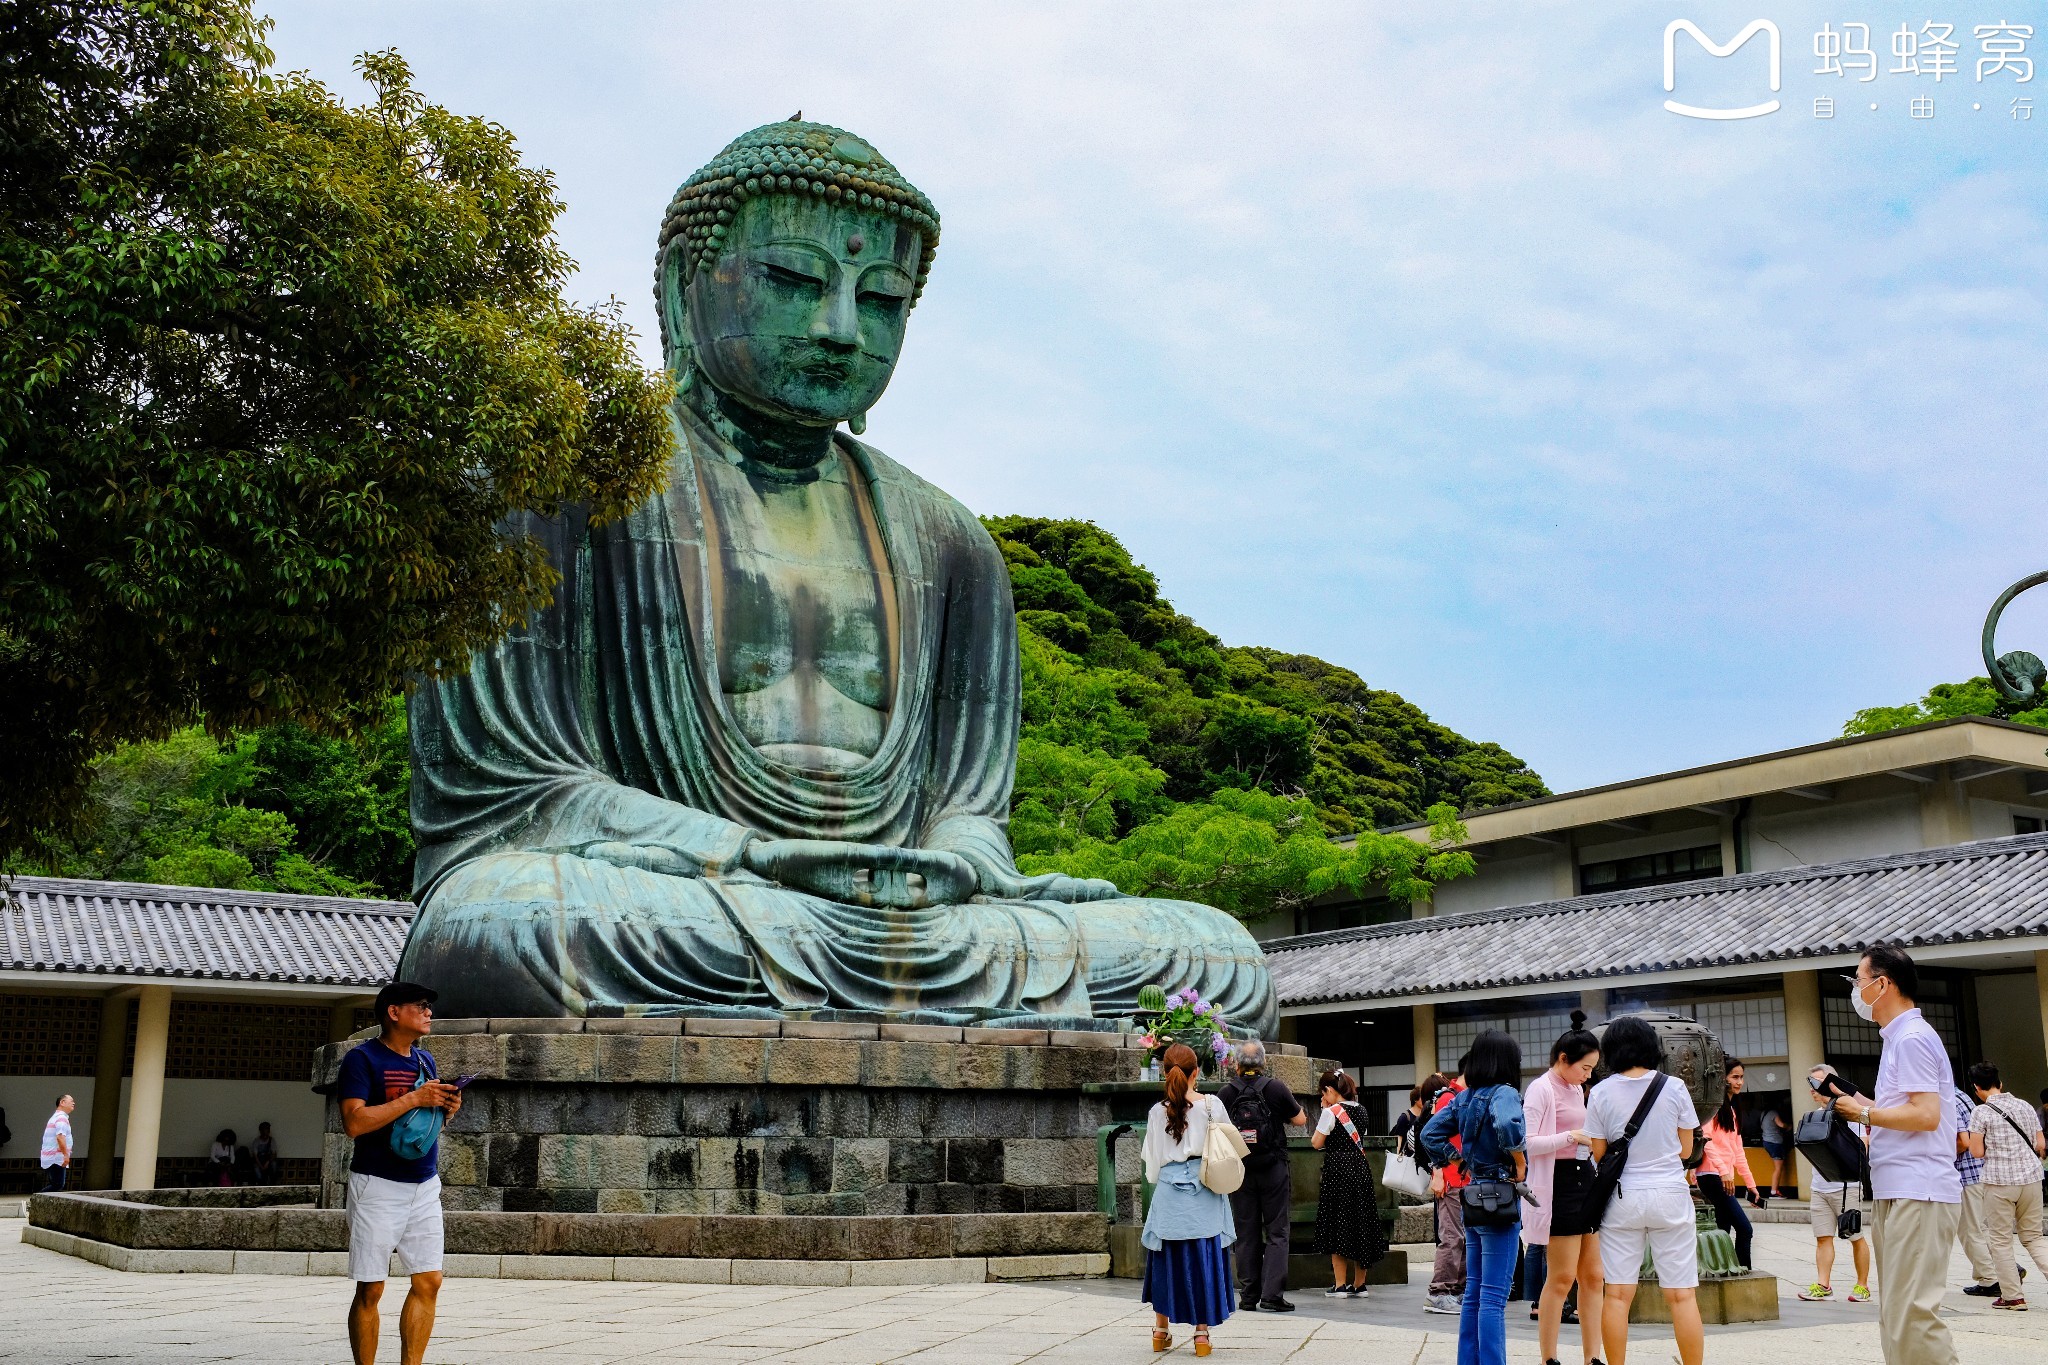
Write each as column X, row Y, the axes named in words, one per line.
column 1728, row 1215
column 1483, row 1322
column 1535, row 1270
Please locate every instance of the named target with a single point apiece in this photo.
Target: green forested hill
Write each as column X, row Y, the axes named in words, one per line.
column 1156, row 756
column 1210, row 716
column 1152, row 754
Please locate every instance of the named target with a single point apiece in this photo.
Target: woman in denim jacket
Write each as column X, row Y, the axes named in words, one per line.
column 1488, row 1118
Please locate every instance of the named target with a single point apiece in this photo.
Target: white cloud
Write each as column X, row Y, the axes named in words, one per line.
column 1423, row 340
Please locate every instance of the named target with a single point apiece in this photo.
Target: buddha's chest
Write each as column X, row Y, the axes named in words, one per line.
column 802, row 609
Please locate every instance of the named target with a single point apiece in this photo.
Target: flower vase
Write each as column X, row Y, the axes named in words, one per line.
column 1201, row 1042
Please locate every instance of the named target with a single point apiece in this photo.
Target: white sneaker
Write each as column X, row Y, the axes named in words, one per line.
column 1443, row 1303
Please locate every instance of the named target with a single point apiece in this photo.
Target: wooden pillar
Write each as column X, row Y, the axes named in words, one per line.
column 106, row 1094
column 146, row 1088
column 2041, row 990
column 1594, row 1003
column 1805, row 1049
column 1424, row 1017
column 341, row 1021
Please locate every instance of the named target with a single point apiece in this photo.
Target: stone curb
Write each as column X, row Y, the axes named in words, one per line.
column 632, row 1269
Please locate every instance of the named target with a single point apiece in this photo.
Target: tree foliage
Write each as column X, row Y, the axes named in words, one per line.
column 1945, row 701
column 271, row 368
column 1157, row 757
column 281, row 809
column 1110, row 665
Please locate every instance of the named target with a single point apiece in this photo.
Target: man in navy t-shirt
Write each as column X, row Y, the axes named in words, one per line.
column 394, row 1202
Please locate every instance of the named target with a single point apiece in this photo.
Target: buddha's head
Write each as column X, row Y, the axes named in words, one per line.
column 787, row 270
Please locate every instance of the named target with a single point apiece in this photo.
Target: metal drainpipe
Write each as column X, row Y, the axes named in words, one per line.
column 1739, row 834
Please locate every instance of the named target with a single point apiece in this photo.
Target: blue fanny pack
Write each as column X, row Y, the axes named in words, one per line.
column 414, row 1133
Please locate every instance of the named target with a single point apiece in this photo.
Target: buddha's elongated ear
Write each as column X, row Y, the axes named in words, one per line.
column 672, row 308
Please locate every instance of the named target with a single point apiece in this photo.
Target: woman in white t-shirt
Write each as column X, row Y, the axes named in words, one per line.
column 1653, row 1204
column 1189, row 1228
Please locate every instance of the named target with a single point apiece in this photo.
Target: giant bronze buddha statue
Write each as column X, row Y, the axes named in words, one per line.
column 756, row 758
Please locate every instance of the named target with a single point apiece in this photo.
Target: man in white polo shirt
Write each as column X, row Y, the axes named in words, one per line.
column 1918, row 1195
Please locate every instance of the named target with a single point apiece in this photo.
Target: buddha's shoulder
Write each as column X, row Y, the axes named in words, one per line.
column 932, row 500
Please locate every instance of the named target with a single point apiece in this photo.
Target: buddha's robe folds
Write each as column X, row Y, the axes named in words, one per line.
column 582, row 796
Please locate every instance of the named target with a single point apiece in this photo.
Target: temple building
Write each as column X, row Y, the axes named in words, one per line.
column 1737, row 893
column 171, row 1012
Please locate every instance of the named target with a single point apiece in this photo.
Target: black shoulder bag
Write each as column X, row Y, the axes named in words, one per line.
column 1832, row 1148
column 1488, row 1202
column 1607, row 1176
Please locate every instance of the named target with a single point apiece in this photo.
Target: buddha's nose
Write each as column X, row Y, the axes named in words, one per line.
column 837, row 322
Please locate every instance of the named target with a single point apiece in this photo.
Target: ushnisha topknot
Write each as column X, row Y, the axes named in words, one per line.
column 791, row 157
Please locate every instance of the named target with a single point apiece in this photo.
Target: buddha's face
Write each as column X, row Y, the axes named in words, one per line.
column 802, row 314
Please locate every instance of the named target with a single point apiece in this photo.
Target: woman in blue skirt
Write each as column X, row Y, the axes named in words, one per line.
column 1189, row 1230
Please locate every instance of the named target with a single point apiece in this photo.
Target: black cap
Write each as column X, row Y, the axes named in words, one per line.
column 401, row 993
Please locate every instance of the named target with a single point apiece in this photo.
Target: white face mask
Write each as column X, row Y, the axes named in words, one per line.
column 1864, row 1010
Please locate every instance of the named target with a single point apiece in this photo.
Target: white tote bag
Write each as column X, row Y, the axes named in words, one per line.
column 1223, row 1151
column 1405, row 1176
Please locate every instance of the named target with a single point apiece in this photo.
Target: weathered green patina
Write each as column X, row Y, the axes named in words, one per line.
column 757, row 757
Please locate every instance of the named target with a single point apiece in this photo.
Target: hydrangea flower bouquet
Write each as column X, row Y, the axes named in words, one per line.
column 1185, row 1017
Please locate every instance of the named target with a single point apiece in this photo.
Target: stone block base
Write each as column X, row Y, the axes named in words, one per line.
column 135, row 1223
column 1741, row 1298
column 1415, row 1223
column 764, row 1117
column 643, row 1269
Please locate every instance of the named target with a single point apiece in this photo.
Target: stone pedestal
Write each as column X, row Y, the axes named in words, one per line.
column 746, row 1117
column 1751, row 1297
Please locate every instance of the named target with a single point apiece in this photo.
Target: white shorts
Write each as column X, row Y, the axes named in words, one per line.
column 1660, row 1219
column 392, row 1215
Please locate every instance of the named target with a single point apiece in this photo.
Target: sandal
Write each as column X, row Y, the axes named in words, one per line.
column 1201, row 1341
column 1162, row 1341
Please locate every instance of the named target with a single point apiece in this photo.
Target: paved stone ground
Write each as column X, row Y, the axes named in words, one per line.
column 56, row 1310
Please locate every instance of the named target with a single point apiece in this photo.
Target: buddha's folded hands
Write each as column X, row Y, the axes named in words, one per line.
column 864, row 874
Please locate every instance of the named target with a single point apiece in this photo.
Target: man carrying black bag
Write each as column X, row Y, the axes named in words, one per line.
column 1261, row 1107
column 1834, row 1147
column 1918, row 1197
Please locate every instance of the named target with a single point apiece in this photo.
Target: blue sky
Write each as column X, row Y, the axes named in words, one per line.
column 1426, row 341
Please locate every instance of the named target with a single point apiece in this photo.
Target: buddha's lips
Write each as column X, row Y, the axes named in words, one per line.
column 828, row 369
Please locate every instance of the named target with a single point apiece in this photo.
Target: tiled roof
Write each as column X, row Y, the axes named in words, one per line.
column 49, row 924
column 1994, row 889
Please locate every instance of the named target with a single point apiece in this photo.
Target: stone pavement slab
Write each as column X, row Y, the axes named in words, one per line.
column 58, row 1310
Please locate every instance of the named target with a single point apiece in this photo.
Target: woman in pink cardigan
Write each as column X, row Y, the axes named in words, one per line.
column 1560, row 1172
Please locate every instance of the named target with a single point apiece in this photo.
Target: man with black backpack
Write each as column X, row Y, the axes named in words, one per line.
column 1261, row 1108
